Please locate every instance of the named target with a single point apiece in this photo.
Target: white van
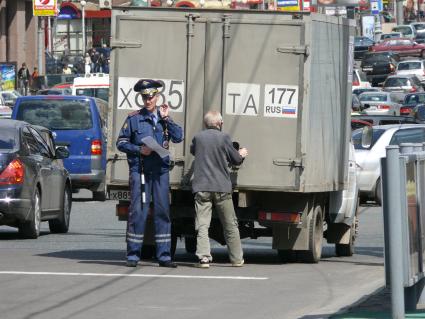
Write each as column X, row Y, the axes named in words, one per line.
column 94, row 84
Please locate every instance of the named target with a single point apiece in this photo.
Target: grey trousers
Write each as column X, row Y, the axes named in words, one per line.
column 222, row 202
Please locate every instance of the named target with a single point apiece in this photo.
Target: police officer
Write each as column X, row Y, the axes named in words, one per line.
column 148, row 168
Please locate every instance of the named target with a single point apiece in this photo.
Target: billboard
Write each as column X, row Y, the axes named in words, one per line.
column 336, row 3
column 7, row 76
column 288, row 5
column 44, row 8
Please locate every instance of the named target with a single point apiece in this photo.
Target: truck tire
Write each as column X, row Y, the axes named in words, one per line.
column 347, row 250
column 190, row 244
column 287, row 256
column 315, row 237
column 31, row 229
column 61, row 224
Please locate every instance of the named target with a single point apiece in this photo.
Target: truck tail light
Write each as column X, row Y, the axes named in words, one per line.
column 13, row 173
column 280, row 217
column 121, row 210
column 96, row 147
column 413, row 90
column 383, row 107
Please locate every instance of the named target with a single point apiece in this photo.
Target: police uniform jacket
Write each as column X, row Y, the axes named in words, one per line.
column 139, row 125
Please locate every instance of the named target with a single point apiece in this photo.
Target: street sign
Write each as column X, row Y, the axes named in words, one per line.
column 45, row 8
column 376, row 6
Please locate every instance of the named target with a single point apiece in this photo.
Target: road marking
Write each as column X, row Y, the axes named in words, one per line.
column 42, row 273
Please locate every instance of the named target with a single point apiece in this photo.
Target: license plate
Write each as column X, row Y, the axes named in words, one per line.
column 119, row 194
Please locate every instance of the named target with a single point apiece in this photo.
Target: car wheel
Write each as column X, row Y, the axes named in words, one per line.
column 31, row 229
column 378, row 192
column 100, row 196
column 61, row 224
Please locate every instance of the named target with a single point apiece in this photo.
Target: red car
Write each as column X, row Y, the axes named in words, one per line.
column 402, row 46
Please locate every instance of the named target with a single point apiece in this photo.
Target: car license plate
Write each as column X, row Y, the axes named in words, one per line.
column 119, row 194
column 367, row 69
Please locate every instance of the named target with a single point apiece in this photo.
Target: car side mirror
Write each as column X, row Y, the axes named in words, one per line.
column 61, row 152
column 367, row 134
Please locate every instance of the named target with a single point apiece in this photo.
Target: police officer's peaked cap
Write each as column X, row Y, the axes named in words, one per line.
column 147, row 87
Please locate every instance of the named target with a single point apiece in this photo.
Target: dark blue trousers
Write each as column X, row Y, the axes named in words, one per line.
column 157, row 189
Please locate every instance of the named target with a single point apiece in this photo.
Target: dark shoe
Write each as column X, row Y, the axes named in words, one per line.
column 131, row 263
column 168, row 264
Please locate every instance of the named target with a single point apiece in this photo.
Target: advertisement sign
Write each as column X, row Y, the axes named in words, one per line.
column 288, row 5
column 368, row 27
column 44, row 8
column 7, row 76
column 376, row 6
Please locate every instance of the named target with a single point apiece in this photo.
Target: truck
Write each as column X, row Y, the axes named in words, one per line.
column 282, row 82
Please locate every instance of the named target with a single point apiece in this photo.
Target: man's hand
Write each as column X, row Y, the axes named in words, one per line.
column 163, row 110
column 243, row 152
column 146, row 151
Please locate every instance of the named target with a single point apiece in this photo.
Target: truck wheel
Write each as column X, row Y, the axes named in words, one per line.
column 61, row 224
column 190, row 244
column 378, row 192
column 287, row 256
column 314, row 252
column 31, row 229
column 347, row 250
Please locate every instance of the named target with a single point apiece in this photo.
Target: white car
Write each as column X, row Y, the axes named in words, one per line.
column 380, row 103
column 360, row 80
column 416, row 67
column 368, row 159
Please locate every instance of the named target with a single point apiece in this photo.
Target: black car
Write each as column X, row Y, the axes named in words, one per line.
column 361, row 46
column 358, row 121
column 362, row 90
column 378, row 65
column 34, row 185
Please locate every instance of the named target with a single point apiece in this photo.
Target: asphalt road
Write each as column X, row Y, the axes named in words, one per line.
column 82, row 275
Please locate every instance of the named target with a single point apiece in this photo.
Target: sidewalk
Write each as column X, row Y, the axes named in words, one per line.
column 375, row 306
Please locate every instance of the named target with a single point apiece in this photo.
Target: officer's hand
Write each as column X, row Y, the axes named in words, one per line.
column 163, row 110
column 243, row 152
column 144, row 150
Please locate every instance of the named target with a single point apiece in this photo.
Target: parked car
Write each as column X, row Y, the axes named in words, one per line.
column 402, row 46
column 358, row 91
column 379, row 103
column 416, row 67
column 403, row 84
column 79, row 123
column 410, row 101
column 361, row 46
column 34, row 185
column 379, row 65
column 390, row 35
column 407, row 31
column 361, row 120
column 360, row 80
column 55, row 91
column 368, row 156
column 10, row 97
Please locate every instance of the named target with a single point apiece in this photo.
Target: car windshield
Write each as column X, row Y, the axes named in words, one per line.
column 373, row 97
column 362, row 41
column 409, row 66
column 101, row 93
column 56, row 114
column 357, row 138
column 414, row 99
column 396, row 82
column 8, row 139
column 419, row 26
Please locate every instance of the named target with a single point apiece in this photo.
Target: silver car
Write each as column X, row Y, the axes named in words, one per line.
column 380, row 103
column 368, row 158
column 416, row 67
column 403, row 84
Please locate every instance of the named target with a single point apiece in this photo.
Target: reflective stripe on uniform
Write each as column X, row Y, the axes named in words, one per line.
column 163, row 235
column 162, row 240
column 135, row 240
column 134, row 235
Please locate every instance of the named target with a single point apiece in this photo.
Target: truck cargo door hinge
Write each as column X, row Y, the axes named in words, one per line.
column 287, row 162
column 125, row 44
column 294, row 49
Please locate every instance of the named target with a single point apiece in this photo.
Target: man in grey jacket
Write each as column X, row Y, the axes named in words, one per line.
column 214, row 151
